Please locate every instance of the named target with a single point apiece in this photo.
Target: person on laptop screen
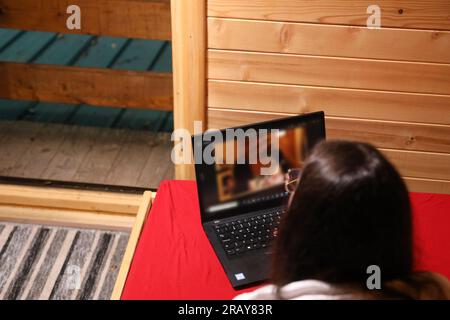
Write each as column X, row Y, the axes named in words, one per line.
column 236, row 181
column 349, row 212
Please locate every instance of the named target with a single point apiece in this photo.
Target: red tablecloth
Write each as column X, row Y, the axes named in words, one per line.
column 174, row 259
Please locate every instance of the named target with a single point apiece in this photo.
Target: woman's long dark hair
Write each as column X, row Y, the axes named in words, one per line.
column 350, row 210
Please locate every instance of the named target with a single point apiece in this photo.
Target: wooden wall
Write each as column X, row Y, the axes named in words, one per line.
column 388, row 86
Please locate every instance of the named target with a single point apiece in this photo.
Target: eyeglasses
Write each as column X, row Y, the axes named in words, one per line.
column 291, row 180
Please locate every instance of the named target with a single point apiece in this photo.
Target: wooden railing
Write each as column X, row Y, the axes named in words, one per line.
column 144, row 19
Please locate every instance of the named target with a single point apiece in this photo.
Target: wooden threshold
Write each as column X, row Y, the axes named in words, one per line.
column 66, row 218
column 69, row 207
column 32, row 182
column 80, row 208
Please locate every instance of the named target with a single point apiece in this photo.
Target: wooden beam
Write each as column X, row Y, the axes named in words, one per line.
column 189, row 69
column 66, row 217
column 69, row 207
column 70, row 199
column 100, row 87
column 147, row 19
column 131, row 246
column 419, row 14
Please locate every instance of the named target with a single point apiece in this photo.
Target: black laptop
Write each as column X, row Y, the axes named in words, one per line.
column 241, row 203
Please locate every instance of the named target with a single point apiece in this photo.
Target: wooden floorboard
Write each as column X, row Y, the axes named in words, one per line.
column 4, row 128
column 71, row 153
column 16, row 143
column 100, row 157
column 170, row 173
column 41, row 151
column 158, row 163
column 136, row 150
column 84, row 154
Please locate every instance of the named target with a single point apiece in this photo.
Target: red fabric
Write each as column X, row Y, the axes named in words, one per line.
column 174, row 259
column 431, row 218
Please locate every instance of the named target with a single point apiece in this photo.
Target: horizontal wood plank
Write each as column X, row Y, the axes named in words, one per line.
column 329, row 72
column 388, row 134
column 416, row 164
column 426, row 14
column 100, row 87
column 148, row 19
column 427, row 185
column 220, row 118
column 381, row 105
column 329, row 40
column 383, row 134
column 66, row 217
column 93, row 201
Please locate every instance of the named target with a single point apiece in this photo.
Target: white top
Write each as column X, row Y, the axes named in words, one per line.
column 299, row 290
column 431, row 286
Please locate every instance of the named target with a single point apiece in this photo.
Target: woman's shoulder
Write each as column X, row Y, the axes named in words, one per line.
column 420, row 285
column 267, row 292
column 301, row 290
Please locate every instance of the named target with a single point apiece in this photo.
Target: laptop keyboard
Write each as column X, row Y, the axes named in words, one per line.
column 251, row 233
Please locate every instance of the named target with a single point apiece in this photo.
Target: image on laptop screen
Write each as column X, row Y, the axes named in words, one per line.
column 235, row 181
column 249, row 174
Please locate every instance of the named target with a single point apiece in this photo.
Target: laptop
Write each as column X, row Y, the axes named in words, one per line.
column 241, row 188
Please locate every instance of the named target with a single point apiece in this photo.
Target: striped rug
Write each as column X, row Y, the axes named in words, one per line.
column 42, row 262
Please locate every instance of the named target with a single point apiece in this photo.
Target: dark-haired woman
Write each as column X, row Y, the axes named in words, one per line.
column 350, row 212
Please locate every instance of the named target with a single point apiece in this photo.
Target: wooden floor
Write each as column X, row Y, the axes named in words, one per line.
column 113, row 156
column 83, row 143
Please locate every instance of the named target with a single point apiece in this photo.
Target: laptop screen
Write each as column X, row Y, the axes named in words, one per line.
column 249, row 164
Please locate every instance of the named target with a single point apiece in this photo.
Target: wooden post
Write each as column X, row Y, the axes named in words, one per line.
column 189, row 69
